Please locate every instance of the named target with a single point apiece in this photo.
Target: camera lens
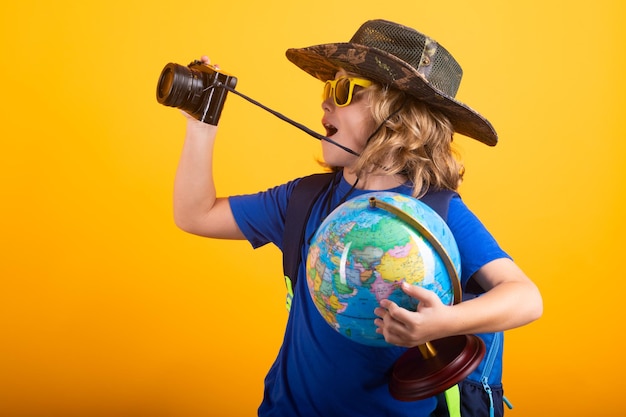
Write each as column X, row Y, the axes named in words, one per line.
column 180, row 87
column 164, row 87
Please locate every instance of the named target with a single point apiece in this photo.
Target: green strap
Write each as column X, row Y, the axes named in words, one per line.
column 289, row 293
column 453, row 400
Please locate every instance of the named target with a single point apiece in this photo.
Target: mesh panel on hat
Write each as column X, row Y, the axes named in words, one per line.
column 430, row 59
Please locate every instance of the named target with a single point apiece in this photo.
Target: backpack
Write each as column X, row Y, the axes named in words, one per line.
column 481, row 393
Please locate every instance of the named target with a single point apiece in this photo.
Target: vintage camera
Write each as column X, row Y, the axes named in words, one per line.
column 198, row 89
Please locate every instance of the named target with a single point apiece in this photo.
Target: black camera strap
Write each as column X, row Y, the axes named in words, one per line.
column 300, row 126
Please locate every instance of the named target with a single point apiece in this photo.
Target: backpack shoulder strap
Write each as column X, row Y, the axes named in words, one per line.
column 439, row 201
column 299, row 208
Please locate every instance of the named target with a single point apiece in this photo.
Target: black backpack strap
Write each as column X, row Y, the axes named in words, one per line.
column 299, row 208
column 439, row 201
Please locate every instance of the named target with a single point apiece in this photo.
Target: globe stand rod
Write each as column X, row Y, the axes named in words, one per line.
column 427, row 350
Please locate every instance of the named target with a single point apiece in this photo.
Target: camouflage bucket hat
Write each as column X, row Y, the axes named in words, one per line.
column 402, row 58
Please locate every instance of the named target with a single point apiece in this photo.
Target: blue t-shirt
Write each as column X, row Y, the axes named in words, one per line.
column 319, row 372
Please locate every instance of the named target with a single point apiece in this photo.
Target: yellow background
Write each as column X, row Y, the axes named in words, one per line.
column 106, row 309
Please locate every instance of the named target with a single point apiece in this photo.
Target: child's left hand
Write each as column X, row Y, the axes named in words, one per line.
column 407, row 328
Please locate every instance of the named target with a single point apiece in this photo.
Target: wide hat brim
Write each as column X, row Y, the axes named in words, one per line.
column 323, row 62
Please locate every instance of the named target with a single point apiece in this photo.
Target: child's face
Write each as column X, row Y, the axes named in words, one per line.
column 350, row 126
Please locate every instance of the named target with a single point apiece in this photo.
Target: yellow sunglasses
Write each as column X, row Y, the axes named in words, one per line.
column 342, row 88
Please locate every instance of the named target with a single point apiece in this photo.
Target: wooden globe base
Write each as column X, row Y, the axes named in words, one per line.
column 428, row 370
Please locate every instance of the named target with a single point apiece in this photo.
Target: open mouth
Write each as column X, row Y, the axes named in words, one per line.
column 330, row 130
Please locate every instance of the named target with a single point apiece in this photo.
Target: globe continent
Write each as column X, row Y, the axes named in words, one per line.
column 360, row 255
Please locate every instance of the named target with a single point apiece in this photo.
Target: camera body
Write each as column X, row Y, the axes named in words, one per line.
column 198, row 89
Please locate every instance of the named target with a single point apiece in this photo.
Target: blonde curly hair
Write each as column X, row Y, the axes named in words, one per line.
column 414, row 140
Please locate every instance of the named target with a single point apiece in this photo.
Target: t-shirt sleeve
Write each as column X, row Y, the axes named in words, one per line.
column 477, row 246
column 261, row 216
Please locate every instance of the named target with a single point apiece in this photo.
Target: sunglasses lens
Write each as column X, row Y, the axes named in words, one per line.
column 342, row 91
column 327, row 89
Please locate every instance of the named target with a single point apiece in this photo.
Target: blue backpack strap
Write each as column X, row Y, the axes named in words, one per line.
column 301, row 201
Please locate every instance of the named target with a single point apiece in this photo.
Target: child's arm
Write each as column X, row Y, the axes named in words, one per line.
column 511, row 300
column 197, row 209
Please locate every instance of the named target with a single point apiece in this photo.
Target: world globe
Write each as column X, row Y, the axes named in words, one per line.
column 366, row 248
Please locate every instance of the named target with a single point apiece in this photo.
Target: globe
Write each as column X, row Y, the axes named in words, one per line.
column 361, row 253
